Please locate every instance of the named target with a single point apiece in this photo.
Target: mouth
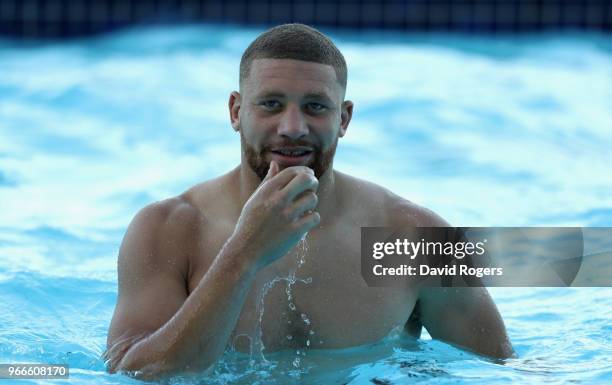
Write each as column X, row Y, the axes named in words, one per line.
column 292, row 156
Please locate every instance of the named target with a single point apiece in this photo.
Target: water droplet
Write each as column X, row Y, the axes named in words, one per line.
column 296, row 362
column 307, row 342
column 305, row 319
column 311, row 332
column 289, row 337
column 300, row 252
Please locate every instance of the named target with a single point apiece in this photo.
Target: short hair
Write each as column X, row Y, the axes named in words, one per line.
column 294, row 41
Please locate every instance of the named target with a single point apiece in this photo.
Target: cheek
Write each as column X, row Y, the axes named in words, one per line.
column 251, row 140
column 254, row 121
column 329, row 136
column 327, row 140
column 254, row 132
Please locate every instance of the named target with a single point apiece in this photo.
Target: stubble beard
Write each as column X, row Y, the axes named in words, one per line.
column 255, row 159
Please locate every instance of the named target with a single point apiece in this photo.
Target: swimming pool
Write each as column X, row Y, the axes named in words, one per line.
column 489, row 132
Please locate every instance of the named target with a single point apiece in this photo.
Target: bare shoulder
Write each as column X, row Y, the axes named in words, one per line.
column 153, row 264
column 163, row 233
column 168, row 233
column 216, row 198
column 170, row 217
column 392, row 208
column 403, row 212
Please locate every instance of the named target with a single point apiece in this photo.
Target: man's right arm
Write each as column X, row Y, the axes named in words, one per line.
column 156, row 328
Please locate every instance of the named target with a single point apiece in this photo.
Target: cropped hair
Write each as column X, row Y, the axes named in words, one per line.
column 294, row 41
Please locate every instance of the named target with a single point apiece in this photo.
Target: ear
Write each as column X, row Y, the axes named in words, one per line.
column 235, row 100
column 345, row 116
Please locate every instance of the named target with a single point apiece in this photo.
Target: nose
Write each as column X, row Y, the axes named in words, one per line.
column 292, row 123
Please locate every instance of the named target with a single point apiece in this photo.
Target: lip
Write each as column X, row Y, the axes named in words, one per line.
column 287, row 160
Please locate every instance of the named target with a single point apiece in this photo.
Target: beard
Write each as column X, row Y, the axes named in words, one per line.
column 320, row 162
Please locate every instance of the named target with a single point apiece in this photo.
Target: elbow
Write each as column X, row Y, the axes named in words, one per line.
column 497, row 350
column 138, row 362
column 505, row 350
column 150, row 372
column 134, row 362
column 128, row 356
column 161, row 370
column 114, row 356
column 145, row 370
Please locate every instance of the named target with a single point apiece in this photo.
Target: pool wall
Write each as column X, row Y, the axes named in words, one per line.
column 56, row 19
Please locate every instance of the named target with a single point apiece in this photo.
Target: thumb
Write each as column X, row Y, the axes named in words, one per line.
column 273, row 170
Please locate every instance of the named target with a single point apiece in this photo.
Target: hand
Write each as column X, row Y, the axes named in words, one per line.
column 278, row 214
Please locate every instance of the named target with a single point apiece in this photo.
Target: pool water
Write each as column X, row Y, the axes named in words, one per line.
column 501, row 131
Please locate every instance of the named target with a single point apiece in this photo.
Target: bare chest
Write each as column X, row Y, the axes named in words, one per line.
column 315, row 297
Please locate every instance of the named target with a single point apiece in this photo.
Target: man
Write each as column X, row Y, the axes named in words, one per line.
column 192, row 268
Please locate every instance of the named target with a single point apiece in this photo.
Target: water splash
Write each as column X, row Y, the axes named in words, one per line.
column 256, row 344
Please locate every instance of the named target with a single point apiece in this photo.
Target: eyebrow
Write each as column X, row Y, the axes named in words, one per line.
column 310, row 95
column 319, row 95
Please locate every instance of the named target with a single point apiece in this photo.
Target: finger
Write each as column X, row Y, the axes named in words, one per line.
column 282, row 178
column 308, row 221
column 305, row 202
column 300, row 183
column 272, row 171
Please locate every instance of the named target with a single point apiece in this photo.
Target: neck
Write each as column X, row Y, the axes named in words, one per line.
column 249, row 181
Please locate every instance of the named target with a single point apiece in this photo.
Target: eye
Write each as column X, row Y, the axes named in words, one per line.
column 270, row 105
column 316, row 107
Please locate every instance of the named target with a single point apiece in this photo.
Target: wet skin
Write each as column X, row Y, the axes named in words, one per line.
column 191, row 267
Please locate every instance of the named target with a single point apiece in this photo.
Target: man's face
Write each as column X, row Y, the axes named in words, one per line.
column 292, row 112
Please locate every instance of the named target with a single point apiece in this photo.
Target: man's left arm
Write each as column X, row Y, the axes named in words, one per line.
column 466, row 317
column 462, row 316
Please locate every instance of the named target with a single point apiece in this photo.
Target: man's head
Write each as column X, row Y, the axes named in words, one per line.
column 291, row 104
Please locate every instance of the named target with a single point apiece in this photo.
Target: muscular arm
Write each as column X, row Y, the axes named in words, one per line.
column 157, row 328
column 466, row 317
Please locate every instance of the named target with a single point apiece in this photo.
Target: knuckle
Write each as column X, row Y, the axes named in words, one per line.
column 314, row 181
column 273, row 200
column 314, row 198
column 295, row 170
column 312, row 219
column 303, row 177
column 281, row 197
column 316, row 217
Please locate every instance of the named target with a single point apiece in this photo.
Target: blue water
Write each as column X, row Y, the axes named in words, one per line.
column 484, row 131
